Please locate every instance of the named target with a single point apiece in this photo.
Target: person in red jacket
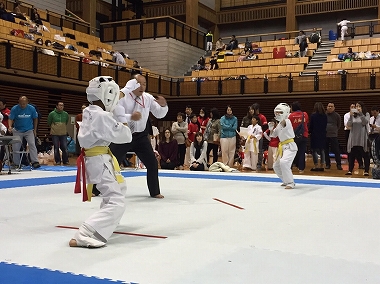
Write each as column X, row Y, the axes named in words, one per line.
column 193, row 127
column 203, row 119
column 296, row 118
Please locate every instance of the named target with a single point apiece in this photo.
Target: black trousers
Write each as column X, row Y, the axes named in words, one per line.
column 214, row 148
column 181, row 154
column 356, row 153
column 141, row 146
column 332, row 142
column 359, row 158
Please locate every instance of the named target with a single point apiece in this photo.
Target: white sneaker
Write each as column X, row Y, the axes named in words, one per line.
column 290, row 185
column 85, row 237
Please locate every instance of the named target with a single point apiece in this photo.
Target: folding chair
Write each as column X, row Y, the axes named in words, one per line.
column 23, row 153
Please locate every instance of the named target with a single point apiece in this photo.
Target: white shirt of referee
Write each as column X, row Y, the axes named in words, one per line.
column 137, row 104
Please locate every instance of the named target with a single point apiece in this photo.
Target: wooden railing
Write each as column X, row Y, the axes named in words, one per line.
column 16, row 56
column 270, row 36
column 165, row 9
column 152, row 28
column 328, row 6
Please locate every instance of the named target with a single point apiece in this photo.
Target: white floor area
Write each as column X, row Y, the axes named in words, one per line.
column 312, row 234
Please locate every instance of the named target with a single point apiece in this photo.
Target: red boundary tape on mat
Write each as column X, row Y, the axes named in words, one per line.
column 120, row 233
column 238, row 207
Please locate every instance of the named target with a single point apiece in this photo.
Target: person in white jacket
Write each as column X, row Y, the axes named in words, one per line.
column 98, row 166
column 287, row 148
column 343, row 28
column 251, row 152
column 198, row 157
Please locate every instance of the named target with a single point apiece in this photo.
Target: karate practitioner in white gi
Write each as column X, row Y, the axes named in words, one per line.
column 287, row 148
column 97, row 130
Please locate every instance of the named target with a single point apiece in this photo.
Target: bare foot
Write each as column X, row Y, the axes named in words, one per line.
column 158, row 196
column 73, row 243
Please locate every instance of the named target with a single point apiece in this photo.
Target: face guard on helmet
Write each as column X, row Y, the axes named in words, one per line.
column 104, row 89
column 281, row 111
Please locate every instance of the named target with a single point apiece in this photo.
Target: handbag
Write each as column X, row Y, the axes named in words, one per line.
column 187, row 140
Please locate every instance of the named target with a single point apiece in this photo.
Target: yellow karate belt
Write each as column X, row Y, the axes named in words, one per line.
column 94, row 151
column 254, row 144
column 279, row 151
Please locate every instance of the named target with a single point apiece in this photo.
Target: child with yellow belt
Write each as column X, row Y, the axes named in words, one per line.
column 287, row 148
column 97, row 164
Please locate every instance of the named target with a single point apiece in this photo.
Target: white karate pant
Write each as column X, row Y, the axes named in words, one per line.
column 343, row 32
column 250, row 160
column 100, row 171
column 272, row 152
column 283, row 166
column 228, row 148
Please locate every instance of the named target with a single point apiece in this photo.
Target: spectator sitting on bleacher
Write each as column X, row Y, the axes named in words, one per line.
column 137, row 70
column 315, row 36
column 119, row 58
column 35, row 17
column 349, row 55
column 299, row 38
column 233, row 44
column 5, row 15
column 201, row 63
column 219, row 45
column 17, row 12
column 213, row 63
column 247, row 47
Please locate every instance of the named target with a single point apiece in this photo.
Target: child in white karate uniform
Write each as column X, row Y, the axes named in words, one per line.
column 287, row 148
column 97, row 130
column 273, row 143
column 251, row 152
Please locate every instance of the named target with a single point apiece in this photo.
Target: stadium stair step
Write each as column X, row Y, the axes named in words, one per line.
column 320, row 56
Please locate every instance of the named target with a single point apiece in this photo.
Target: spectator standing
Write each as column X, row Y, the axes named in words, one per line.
column 296, row 118
column 264, row 126
column 188, row 112
column 193, row 127
column 57, row 121
column 374, row 124
column 228, row 126
column 4, row 111
column 247, row 120
column 343, row 28
column 346, row 117
column 317, row 130
column 358, row 139
column 332, row 128
column 300, row 37
column 212, row 135
column 179, row 130
column 203, row 119
column 23, row 120
column 209, row 41
column 168, row 150
column 78, row 119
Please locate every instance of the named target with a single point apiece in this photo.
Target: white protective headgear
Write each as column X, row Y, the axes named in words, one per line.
column 284, row 108
column 105, row 89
